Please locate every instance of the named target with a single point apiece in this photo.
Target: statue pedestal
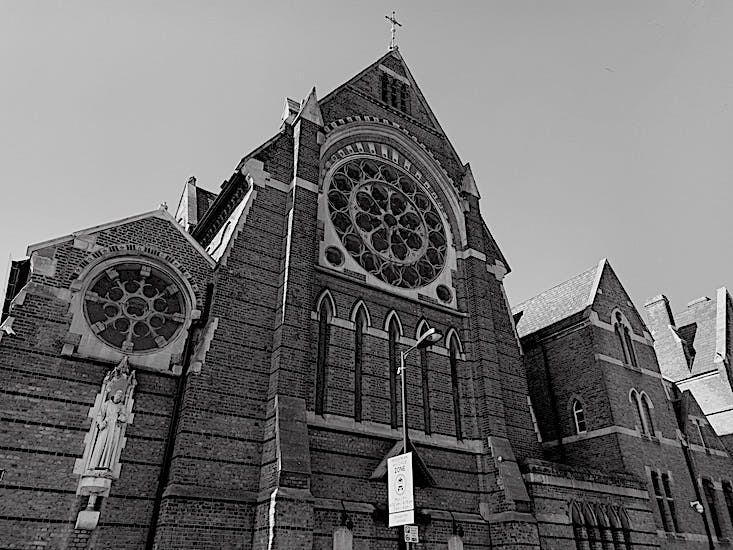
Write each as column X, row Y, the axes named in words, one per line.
column 87, row 520
column 92, row 485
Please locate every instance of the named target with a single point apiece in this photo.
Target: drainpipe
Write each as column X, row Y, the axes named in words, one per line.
column 698, row 495
column 170, row 441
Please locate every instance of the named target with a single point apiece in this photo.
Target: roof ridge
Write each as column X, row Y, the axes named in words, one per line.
column 585, row 271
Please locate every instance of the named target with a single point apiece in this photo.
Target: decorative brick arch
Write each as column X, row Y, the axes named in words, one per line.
column 82, row 340
column 120, row 250
column 326, row 295
column 388, row 320
column 392, row 124
column 359, row 305
column 355, row 135
column 422, row 326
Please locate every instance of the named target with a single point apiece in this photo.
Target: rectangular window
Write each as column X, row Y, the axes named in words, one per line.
column 670, row 501
column 534, row 420
column 660, row 498
column 709, row 490
column 728, row 493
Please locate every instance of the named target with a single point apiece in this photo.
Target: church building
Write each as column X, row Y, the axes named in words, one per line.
column 225, row 376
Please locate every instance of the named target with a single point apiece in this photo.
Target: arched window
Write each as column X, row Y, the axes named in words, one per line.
column 623, row 333
column 453, row 351
column 385, row 88
column 634, row 400
column 625, row 528
column 579, row 417
column 616, row 530
column 324, row 334
column 604, row 525
column 422, row 327
column 360, row 326
column 591, row 526
column 579, row 533
column 647, row 409
column 394, row 362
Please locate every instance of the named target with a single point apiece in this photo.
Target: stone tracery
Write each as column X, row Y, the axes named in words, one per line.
column 134, row 307
column 387, row 223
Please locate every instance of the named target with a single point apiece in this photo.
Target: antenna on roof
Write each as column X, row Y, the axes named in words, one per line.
column 395, row 24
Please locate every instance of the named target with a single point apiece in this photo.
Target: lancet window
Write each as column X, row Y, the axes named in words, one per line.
column 325, row 312
column 394, row 362
column 454, row 350
column 623, row 333
column 360, row 326
column 427, row 424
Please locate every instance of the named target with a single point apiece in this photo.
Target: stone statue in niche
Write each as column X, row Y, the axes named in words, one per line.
column 111, row 413
column 109, row 427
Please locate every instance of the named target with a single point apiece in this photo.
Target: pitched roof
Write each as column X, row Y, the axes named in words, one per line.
column 557, row 303
column 161, row 213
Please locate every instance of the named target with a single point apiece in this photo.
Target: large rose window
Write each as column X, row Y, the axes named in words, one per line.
column 387, row 223
column 135, row 307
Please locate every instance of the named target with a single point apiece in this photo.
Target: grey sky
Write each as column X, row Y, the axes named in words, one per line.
column 593, row 128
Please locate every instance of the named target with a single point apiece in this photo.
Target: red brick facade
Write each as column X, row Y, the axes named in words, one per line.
column 245, row 432
column 634, row 421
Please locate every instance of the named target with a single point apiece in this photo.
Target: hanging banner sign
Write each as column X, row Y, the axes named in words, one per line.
column 400, row 490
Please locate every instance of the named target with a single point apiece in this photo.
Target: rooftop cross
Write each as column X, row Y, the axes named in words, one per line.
column 395, row 24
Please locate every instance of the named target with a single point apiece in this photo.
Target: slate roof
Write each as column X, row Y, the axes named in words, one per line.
column 697, row 325
column 557, row 303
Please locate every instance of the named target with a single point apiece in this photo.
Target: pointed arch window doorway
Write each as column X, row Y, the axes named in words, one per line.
column 454, row 349
column 425, row 376
column 623, row 333
column 360, row 326
column 324, row 334
column 394, row 359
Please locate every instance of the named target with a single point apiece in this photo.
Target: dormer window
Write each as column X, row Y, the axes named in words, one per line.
column 395, row 93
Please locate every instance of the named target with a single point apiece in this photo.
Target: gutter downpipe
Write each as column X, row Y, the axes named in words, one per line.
column 698, row 495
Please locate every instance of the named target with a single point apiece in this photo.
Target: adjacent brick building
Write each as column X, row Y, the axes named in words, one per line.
column 227, row 377
column 601, row 400
column 695, row 350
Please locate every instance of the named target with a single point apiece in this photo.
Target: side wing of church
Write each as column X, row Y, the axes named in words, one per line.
column 227, row 377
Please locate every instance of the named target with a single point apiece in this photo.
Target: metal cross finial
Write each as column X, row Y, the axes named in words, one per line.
column 395, row 24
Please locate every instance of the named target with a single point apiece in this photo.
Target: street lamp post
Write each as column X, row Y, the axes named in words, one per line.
column 428, row 338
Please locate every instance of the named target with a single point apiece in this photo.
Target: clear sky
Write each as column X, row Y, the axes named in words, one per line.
column 593, row 128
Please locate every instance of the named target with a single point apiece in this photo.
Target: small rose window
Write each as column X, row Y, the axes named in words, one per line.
column 135, row 307
column 387, row 223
